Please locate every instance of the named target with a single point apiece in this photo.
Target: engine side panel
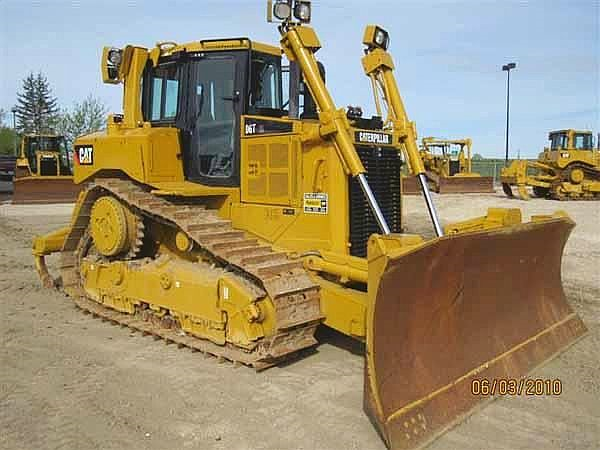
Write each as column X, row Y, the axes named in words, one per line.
column 147, row 155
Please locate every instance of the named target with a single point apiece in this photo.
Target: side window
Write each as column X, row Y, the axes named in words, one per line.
column 156, row 98
column 583, row 141
column 164, row 93
column 265, row 82
column 171, row 98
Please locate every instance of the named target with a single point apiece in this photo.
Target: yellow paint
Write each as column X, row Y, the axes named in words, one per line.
column 112, row 226
column 439, row 163
column 378, row 66
column 495, row 218
column 344, row 309
column 24, row 168
column 144, row 154
column 192, row 292
column 558, row 171
column 284, row 181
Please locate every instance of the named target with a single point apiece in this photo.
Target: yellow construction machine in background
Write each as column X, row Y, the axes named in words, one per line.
column 448, row 166
column 215, row 218
column 44, row 172
column 567, row 170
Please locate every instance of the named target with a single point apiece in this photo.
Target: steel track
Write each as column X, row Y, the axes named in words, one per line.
column 294, row 295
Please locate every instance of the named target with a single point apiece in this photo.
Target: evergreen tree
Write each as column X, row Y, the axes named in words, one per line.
column 36, row 107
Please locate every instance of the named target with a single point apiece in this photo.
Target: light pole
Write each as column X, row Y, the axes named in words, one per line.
column 14, row 113
column 507, row 67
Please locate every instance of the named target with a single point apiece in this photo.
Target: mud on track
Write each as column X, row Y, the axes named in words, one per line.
column 69, row 381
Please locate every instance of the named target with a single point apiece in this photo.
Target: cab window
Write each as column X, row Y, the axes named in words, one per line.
column 164, row 94
column 558, row 141
column 583, row 141
column 265, row 84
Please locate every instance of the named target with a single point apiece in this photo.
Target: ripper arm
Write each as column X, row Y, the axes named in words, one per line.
column 378, row 66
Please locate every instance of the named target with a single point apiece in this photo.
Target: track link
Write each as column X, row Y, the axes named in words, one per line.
column 294, row 295
column 169, row 335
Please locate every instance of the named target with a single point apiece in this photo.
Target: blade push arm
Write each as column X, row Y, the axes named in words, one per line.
column 378, row 66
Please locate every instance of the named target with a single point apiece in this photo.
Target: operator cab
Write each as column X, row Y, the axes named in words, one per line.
column 204, row 94
column 570, row 139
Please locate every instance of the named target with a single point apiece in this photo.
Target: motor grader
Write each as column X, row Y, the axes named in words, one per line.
column 569, row 169
column 43, row 171
column 221, row 218
column 448, row 166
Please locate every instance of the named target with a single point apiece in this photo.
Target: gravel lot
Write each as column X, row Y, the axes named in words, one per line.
column 69, row 381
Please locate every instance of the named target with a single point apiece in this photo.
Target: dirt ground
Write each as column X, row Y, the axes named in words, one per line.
column 68, row 381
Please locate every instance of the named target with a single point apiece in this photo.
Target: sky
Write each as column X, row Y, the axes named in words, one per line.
column 448, row 56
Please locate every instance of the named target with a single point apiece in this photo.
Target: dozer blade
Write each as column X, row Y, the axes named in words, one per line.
column 45, row 190
column 466, row 185
column 473, row 306
column 410, row 185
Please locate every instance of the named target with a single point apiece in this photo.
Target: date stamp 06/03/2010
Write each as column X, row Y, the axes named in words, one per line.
column 516, row 386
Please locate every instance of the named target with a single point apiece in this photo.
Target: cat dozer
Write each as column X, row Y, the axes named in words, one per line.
column 567, row 170
column 43, row 172
column 220, row 218
column 448, row 167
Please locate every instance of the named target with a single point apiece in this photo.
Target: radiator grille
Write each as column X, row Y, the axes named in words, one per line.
column 48, row 167
column 383, row 173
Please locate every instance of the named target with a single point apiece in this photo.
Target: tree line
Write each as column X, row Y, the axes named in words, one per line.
column 37, row 112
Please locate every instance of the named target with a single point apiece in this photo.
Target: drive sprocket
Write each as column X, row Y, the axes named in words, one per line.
column 115, row 229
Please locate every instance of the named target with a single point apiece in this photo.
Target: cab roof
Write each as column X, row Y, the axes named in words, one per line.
column 567, row 131
column 207, row 45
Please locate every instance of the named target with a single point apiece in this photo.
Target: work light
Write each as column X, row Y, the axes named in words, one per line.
column 302, row 11
column 376, row 36
column 112, row 59
column 282, row 9
column 114, row 56
column 381, row 38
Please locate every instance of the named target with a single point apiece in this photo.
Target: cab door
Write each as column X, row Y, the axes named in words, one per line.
column 211, row 153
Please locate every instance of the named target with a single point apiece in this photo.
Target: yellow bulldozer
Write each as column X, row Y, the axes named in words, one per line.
column 448, row 167
column 567, row 170
column 44, row 172
column 219, row 217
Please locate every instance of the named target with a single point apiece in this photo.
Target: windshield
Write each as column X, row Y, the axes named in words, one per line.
column 558, row 140
column 436, row 149
column 265, row 82
column 43, row 143
column 583, row 141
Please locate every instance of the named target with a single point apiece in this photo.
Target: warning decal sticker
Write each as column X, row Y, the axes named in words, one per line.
column 315, row 203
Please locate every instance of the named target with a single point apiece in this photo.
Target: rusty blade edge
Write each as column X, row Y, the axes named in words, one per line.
column 572, row 331
column 486, row 401
column 485, row 366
